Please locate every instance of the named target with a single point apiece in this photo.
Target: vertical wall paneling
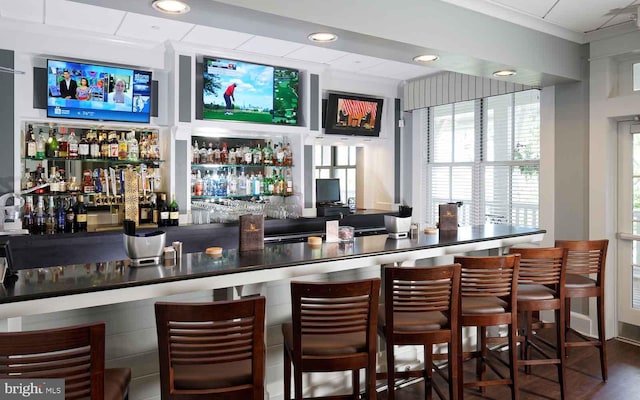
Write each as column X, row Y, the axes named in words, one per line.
column 314, row 102
column 7, row 153
column 308, row 176
column 452, row 87
column 181, row 164
column 154, row 98
column 184, row 89
column 397, row 151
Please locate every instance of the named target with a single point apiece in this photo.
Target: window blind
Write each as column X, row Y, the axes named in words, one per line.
column 486, row 153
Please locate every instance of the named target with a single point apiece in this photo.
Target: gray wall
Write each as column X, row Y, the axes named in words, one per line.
column 572, row 158
column 7, row 155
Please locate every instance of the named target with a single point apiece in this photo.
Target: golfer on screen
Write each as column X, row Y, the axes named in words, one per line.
column 228, row 97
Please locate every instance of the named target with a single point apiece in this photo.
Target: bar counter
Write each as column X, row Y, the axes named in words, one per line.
column 42, row 290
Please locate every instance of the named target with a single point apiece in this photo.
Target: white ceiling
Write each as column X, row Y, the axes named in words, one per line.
column 73, row 15
column 570, row 19
column 573, row 20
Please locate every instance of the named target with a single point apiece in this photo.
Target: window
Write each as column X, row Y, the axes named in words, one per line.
column 338, row 162
column 486, row 154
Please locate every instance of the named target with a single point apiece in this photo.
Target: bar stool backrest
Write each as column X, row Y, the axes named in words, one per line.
column 74, row 353
column 211, row 334
column 491, row 276
column 541, row 266
column 586, row 257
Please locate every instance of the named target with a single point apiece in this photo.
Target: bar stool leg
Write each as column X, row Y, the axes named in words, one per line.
column 287, row 376
column 560, row 352
column 602, row 338
column 391, row 379
column 513, row 364
column 428, row 373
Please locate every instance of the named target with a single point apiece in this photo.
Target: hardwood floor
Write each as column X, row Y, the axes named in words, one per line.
column 583, row 378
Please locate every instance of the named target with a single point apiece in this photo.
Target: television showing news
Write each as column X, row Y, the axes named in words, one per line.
column 353, row 115
column 97, row 92
column 243, row 91
column 327, row 191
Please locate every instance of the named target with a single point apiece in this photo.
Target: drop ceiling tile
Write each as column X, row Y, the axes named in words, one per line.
column 355, row 62
column 69, row 14
column 25, row 10
column 398, row 70
column 537, row 8
column 587, row 15
column 316, row 54
column 264, row 45
column 216, row 37
column 154, row 29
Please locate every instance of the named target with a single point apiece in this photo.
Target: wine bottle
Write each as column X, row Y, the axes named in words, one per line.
column 163, row 211
column 80, row 215
column 174, row 212
column 70, row 218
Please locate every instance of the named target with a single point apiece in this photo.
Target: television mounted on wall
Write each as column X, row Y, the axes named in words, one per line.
column 235, row 90
column 353, row 115
column 97, row 92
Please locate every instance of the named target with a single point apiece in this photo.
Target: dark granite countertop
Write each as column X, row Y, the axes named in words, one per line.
column 42, row 283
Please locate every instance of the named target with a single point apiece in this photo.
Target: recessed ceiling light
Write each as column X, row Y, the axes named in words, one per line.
column 323, row 37
column 171, row 6
column 504, row 72
column 426, row 58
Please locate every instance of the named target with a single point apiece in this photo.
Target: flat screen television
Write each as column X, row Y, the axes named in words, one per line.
column 97, row 92
column 242, row 91
column 353, row 115
column 328, row 191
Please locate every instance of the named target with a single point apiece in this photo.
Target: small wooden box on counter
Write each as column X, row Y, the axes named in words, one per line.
column 251, row 232
column 448, row 215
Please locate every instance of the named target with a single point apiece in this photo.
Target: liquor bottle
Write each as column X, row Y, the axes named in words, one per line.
column 233, row 156
column 198, row 187
column 224, row 154
column 257, row 155
column 268, row 185
column 52, row 148
column 174, row 212
column 27, row 215
column 54, row 187
column 195, row 153
column 73, row 146
column 145, row 213
column 104, row 146
column 288, row 183
column 132, row 147
column 94, row 146
column 40, row 217
column 123, row 148
column 155, row 147
column 113, row 145
column 31, row 143
column 288, row 156
column 256, row 183
column 80, row 215
column 52, row 219
column 41, row 145
column 83, row 147
column 70, row 217
column 232, row 184
column 216, row 155
column 210, row 153
column 154, row 208
column 62, row 183
column 242, row 183
column 279, row 155
column 163, row 211
column 61, row 216
column 63, row 147
column 267, row 154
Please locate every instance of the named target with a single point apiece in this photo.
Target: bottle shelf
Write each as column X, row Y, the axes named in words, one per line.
column 97, row 160
column 236, row 197
column 239, row 166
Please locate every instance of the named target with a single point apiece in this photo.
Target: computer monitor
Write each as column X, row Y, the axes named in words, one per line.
column 327, row 191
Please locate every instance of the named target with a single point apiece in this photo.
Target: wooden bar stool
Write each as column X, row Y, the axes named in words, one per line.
column 422, row 307
column 488, row 288
column 211, row 350
column 75, row 354
column 541, row 280
column 586, row 257
column 333, row 328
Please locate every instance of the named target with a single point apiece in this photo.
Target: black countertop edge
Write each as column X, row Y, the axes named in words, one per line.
column 7, row 297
